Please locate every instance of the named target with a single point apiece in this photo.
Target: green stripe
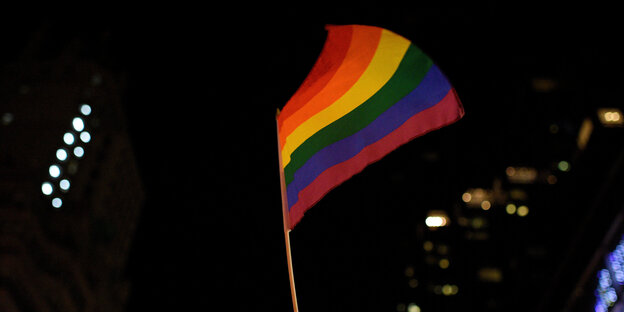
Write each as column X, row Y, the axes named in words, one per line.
column 413, row 67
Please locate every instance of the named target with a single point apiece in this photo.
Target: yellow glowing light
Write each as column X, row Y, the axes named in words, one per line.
column 428, row 246
column 447, row 290
column 486, row 205
column 584, row 133
column 610, row 117
column 563, row 166
column 511, row 209
column 466, row 197
column 436, row 218
column 409, row 271
column 510, row 171
column 412, row 307
column 435, row 221
column 523, row 211
column 444, row 263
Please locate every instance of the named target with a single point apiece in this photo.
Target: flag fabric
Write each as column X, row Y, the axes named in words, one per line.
column 369, row 92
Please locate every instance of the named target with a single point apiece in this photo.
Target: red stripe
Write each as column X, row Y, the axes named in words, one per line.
column 447, row 111
column 331, row 57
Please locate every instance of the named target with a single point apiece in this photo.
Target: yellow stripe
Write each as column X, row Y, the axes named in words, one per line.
column 386, row 60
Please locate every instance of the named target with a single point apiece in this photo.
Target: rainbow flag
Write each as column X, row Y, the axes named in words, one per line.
column 369, row 92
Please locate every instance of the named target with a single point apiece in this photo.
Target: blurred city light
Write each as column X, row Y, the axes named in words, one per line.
column 522, row 175
column 610, row 117
column 444, row 263
column 584, row 133
column 563, row 166
column 486, row 205
column 85, row 109
column 543, row 85
column 46, row 188
column 428, row 246
column 85, row 137
column 523, row 211
column 78, row 124
column 7, row 118
column 412, row 307
column 68, row 138
column 449, row 290
column 64, row 184
column 492, row 275
column 510, row 208
column 475, row 197
column 436, row 218
column 57, row 202
column 551, row 179
column 78, row 151
column 55, row 171
column 61, row 154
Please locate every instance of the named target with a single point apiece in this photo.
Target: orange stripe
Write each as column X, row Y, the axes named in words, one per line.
column 332, row 55
column 361, row 51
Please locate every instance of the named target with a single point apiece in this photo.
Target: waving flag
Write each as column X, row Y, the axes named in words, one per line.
column 369, row 92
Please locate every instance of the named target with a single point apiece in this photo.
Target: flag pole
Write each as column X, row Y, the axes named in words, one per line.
column 293, row 293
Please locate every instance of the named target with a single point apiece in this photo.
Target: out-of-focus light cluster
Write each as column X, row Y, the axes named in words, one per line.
column 478, row 198
column 59, row 183
column 411, row 307
column 521, row 210
column 611, row 117
column 436, row 218
column 491, row 275
column 446, row 289
column 609, row 278
column 521, row 175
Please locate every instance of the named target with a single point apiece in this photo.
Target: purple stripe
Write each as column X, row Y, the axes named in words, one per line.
column 429, row 92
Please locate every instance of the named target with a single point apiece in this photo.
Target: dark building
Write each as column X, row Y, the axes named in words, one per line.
column 70, row 190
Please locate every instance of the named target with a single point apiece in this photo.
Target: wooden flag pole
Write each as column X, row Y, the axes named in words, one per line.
column 293, row 293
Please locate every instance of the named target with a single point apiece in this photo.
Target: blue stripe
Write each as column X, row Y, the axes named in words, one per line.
column 429, row 92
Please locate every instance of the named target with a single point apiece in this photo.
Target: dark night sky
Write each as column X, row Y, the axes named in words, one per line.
column 202, row 91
